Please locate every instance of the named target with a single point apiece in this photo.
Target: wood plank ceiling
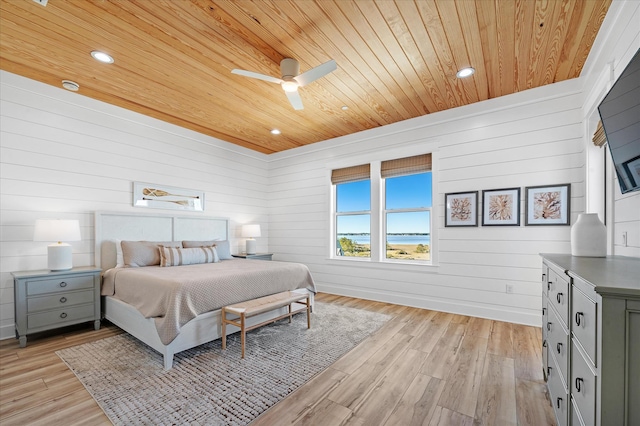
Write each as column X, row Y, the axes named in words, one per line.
column 396, row 59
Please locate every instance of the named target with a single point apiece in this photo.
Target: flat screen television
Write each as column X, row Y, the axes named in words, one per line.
column 620, row 115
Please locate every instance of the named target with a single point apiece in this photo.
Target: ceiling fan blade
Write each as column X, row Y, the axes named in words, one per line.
column 295, row 99
column 252, row 74
column 315, row 73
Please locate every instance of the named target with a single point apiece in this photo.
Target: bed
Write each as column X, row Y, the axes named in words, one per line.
column 172, row 333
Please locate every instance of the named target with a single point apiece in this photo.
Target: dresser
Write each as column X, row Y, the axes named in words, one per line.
column 46, row 300
column 591, row 338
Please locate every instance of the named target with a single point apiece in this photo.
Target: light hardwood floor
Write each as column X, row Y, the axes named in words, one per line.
column 421, row 368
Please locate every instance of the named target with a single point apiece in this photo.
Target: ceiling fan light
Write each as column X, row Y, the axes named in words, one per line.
column 465, row 72
column 275, row 131
column 290, row 86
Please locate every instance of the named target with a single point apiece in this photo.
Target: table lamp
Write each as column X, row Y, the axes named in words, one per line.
column 251, row 231
column 59, row 254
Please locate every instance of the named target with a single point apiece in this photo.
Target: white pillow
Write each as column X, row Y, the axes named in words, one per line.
column 176, row 256
column 119, row 255
column 223, row 248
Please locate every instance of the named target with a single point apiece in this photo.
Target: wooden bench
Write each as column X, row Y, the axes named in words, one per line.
column 250, row 308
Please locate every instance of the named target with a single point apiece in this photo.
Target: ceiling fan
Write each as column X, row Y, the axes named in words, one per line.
column 291, row 78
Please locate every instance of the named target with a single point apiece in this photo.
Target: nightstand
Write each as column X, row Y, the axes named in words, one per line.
column 256, row 256
column 46, row 300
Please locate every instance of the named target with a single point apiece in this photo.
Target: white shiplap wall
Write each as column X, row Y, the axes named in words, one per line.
column 63, row 155
column 527, row 139
column 617, row 42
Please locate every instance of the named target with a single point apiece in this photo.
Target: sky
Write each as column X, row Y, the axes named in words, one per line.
column 401, row 192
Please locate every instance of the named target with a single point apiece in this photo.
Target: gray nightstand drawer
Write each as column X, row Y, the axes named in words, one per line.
column 51, row 285
column 60, row 316
column 62, row 300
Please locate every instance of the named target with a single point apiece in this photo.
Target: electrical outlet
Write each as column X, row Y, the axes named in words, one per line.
column 509, row 289
column 41, row 2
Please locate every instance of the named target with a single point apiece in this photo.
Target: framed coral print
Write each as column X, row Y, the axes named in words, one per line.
column 501, row 207
column 461, row 209
column 548, row 205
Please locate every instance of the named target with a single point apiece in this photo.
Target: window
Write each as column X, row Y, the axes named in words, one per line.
column 353, row 211
column 408, row 217
column 399, row 226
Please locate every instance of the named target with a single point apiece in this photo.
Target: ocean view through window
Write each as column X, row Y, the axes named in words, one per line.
column 402, row 213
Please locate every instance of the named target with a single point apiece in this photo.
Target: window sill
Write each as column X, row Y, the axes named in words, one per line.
column 385, row 264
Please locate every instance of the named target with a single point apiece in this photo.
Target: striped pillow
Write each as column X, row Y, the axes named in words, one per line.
column 176, row 256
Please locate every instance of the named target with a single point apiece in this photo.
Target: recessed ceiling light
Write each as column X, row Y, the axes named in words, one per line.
column 465, row 72
column 275, row 132
column 70, row 85
column 102, row 57
column 344, row 107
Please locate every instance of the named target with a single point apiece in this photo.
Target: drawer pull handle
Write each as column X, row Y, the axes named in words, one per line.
column 559, row 297
column 544, row 311
column 559, row 347
column 548, row 326
column 543, row 276
column 579, row 383
column 558, row 401
column 544, row 343
column 63, row 284
column 63, row 299
column 63, row 315
column 549, row 370
column 579, row 315
column 548, row 285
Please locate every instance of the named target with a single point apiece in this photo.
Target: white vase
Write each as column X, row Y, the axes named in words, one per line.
column 588, row 236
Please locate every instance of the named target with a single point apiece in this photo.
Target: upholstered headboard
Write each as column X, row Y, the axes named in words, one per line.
column 112, row 226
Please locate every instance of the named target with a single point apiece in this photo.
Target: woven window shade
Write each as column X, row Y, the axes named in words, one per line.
column 406, row 166
column 351, row 174
column 599, row 138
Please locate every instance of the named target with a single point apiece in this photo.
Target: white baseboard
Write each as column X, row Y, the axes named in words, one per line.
column 8, row 332
column 423, row 302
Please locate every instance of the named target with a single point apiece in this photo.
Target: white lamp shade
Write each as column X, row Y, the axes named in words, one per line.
column 251, row 231
column 59, row 255
column 56, row 230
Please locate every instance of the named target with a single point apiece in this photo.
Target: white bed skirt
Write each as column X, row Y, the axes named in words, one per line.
column 202, row 329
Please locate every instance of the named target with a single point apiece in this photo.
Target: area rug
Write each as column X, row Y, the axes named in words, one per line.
column 209, row 386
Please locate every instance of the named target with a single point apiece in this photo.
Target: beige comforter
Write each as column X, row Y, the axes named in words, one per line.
column 173, row 296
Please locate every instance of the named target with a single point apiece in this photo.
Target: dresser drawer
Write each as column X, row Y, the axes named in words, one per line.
column 60, row 317
column 584, row 318
column 545, row 279
column 545, row 317
column 52, row 285
column 559, row 294
column 576, row 420
column 558, row 343
column 583, row 386
column 61, row 300
column 557, row 393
